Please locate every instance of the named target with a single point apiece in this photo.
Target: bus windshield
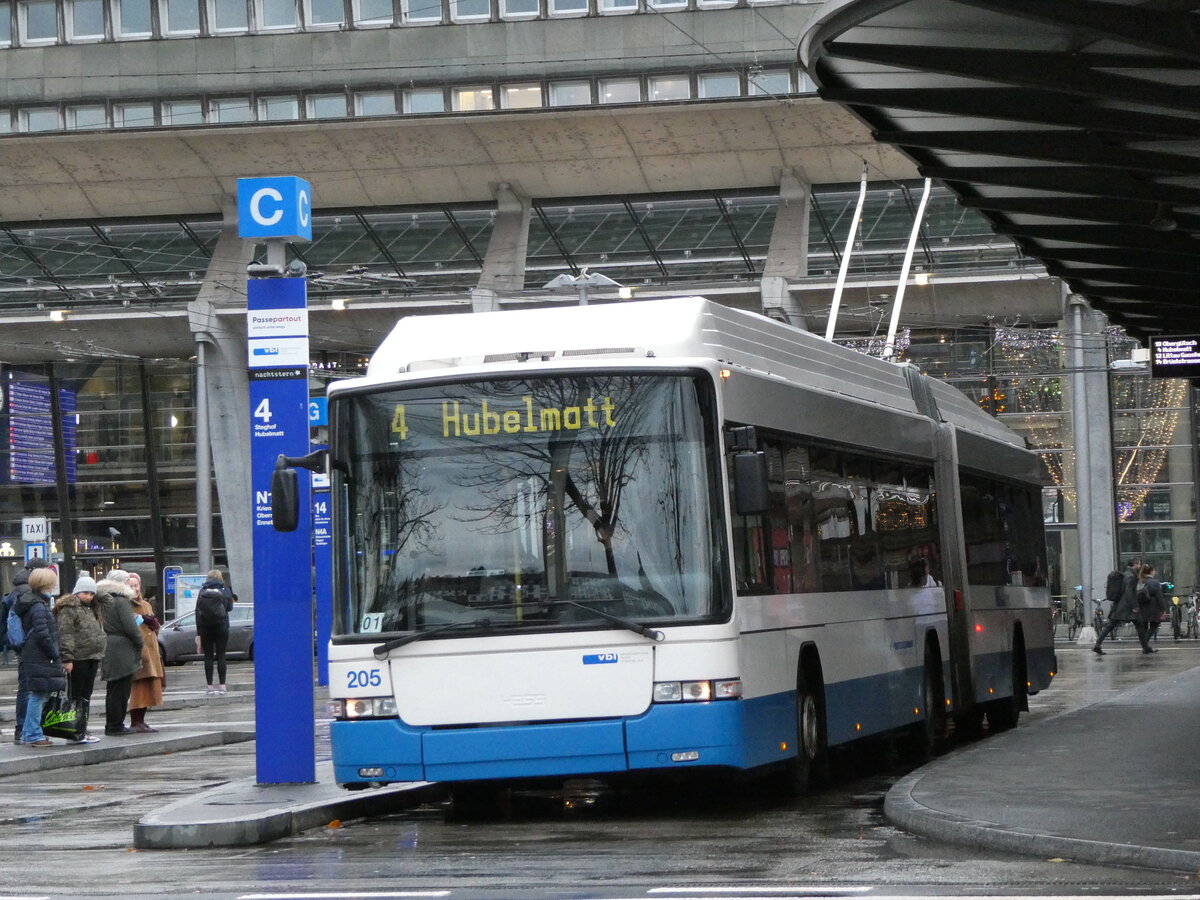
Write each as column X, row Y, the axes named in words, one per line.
column 554, row 502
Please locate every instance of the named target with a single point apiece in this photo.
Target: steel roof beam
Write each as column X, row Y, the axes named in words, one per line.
column 1107, row 236
column 1051, row 146
column 1070, row 74
column 1089, row 180
column 1035, row 107
column 1138, row 26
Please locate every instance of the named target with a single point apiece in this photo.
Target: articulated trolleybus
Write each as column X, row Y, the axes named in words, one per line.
column 666, row 535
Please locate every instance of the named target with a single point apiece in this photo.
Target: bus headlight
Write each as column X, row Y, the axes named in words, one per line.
column 697, row 691
column 363, row 708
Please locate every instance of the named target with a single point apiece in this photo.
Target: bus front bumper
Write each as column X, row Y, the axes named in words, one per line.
column 735, row 734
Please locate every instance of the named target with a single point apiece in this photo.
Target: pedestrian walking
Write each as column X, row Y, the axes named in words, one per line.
column 148, row 680
column 122, row 649
column 80, row 616
column 20, row 588
column 213, row 604
column 1122, row 595
column 41, row 658
column 1151, row 605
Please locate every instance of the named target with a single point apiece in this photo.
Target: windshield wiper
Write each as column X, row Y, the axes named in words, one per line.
column 628, row 624
column 386, row 647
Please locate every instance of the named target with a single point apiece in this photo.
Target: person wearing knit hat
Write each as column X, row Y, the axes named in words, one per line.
column 118, row 575
column 81, row 638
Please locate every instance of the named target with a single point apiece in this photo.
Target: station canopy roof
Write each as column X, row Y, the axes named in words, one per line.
column 678, row 241
column 1072, row 126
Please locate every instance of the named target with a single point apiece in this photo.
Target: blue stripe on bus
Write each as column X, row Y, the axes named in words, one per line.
column 738, row 734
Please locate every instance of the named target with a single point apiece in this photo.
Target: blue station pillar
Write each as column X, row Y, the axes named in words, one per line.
column 274, row 211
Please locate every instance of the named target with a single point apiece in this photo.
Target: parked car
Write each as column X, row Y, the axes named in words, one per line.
column 177, row 638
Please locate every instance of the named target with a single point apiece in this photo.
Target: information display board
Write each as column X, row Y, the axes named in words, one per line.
column 1175, row 356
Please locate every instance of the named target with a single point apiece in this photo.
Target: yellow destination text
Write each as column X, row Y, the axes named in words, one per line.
column 461, row 420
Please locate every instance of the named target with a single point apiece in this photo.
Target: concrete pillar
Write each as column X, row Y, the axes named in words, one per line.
column 504, row 265
column 228, row 397
column 1091, row 416
column 787, row 254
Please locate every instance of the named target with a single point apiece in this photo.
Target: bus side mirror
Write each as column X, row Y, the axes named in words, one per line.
column 285, row 499
column 751, row 496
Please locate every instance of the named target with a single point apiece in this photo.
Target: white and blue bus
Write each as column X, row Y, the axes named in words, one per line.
column 667, row 535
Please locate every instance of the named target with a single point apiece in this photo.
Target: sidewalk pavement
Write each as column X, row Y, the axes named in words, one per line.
column 1111, row 783
column 1086, row 784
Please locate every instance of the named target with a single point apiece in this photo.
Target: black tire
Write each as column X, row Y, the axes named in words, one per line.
column 925, row 738
column 1004, row 714
column 810, row 767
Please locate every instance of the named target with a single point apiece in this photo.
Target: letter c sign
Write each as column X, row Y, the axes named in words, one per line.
column 275, row 208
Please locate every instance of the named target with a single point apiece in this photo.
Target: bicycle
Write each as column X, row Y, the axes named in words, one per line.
column 1075, row 623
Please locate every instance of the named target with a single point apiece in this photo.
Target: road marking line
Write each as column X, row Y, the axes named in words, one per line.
column 795, row 889
column 337, row 896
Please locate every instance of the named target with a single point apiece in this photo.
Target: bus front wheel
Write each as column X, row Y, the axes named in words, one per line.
column 810, row 767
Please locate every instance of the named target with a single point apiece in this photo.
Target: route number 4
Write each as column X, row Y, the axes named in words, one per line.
column 263, row 412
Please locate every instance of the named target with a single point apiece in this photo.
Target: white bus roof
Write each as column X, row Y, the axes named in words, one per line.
column 683, row 328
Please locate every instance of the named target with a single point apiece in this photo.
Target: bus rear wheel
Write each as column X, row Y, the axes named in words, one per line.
column 1004, row 714
column 926, row 736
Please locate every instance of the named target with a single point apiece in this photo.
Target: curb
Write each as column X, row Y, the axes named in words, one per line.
column 70, row 756
column 219, row 818
column 904, row 811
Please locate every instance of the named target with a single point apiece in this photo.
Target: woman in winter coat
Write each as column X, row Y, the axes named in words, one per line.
column 81, row 637
column 122, row 649
column 41, row 663
column 149, row 678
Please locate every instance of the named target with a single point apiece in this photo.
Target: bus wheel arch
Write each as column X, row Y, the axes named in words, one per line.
column 810, row 767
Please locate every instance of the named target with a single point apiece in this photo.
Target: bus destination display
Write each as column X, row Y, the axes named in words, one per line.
column 1175, row 356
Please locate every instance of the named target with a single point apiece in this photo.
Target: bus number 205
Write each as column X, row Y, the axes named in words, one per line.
column 361, row 678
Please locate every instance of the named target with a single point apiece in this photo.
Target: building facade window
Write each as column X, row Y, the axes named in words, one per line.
column 769, row 81
column 133, row 115
column 5, row 24
column 375, row 103
column 39, row 118
column 278, row 109
column 519, row 9
column 180, row 17
column 612, row 7
column 182, row 112
column 372, row 12
column 85, row 20
column 421, row 12
column 472, row 99
column 567, row 7
column 133, row 19
column 620, row 90
column 470, row 10
column 520, row 96
column 327, row 106
column 328, row 13
column 669, row 87
column 422, row 101
column 274, row 15
column 230, row 109
column 37, row 21
column 719, row 84
column 228, row 16
column 570, row 93
column 80, row 118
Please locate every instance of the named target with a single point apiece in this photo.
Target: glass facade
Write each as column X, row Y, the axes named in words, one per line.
column 1021, row 376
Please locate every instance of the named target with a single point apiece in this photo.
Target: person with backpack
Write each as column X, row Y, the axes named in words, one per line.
column 20, row 588
column 41, row 660
column 213, row 604
column 1119, row 590
column 1151, row 606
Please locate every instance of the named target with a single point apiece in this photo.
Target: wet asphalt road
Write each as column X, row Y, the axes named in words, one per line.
column 627, row 844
